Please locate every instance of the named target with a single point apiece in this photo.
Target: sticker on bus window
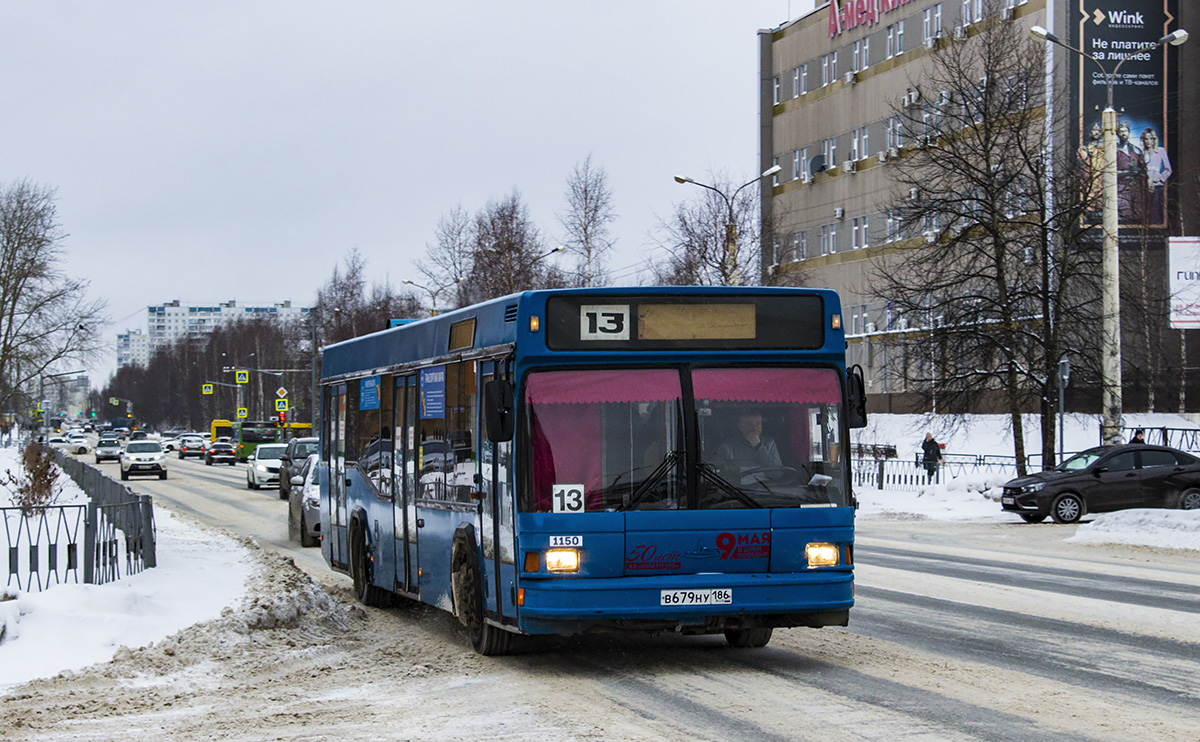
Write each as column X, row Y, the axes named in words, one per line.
column 566, row 498
column 604, row 322
column 576, row 541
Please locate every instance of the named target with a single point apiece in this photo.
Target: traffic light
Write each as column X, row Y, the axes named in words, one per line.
column 283, row 417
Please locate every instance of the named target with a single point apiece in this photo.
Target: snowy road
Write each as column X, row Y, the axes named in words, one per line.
column 961, row 631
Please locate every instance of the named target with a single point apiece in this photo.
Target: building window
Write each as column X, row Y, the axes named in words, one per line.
column 893, row 227
column 855, row 51
column 833, row 65
column 833, row 237
column 866, row 52
column 825, row 239
column 795, row 164
column 893, row 130
column 899, row 37
column 775, row 177
column 824, row 70
column 804, row 162
column 796, row 83
column 890, row 48
column 831, row 152
column 864, row 146
column 777, row 90
column 931, row 27
column 854, row 234
column 802, row 248
column 854, row 145
column 803, row 78
column 862, row 223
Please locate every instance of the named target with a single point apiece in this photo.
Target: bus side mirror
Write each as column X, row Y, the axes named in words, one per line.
column 856, row 397
column 498, row 410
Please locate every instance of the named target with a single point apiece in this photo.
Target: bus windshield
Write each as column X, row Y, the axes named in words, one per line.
column 614, row 440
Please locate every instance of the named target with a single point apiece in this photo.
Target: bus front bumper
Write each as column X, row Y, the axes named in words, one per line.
column 575, row 605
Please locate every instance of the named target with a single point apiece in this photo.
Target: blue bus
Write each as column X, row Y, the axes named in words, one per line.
column 564, row 461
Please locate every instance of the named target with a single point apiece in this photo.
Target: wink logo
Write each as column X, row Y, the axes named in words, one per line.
column 1125, row 19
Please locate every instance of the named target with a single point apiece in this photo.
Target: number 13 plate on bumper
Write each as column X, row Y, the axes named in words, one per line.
column 713, row 596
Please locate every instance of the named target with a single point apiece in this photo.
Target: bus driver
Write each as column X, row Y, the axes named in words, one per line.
column 750, row 449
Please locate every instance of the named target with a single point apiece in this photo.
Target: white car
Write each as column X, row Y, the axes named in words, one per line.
column 262, row 468
column 143, row 457
column 78, row 443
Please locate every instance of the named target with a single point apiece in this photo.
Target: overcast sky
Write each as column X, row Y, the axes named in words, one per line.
column 209, row 151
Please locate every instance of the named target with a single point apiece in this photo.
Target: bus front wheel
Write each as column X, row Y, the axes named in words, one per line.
column 487, row 640
column 360, row 571
column 748, row 638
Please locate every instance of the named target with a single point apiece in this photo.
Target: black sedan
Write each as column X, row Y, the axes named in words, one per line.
column 1107, row 478
column 220, row 453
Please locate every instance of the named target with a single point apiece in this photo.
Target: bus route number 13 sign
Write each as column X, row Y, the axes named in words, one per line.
column 566, row 498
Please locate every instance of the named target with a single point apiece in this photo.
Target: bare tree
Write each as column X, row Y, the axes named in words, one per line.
column 450, row 258
column 996, row 280
column 45, row 317
column 509, row 253
column 696, row 239
column 586, row 221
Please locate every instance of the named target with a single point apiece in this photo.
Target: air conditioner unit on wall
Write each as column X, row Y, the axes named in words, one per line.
column 839, row 212
column 870, row 328
column 931, row 237
column 913, row 193
column 931, row 44
column 805, row 178
column 849, row 166
column 850, row 78
column 882, row 156
column 893, row 152
column 1006, row 14
column 960, row 33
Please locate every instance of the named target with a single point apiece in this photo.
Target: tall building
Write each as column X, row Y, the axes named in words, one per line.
column 831, row 85
column 167, row 323
column 133, row 348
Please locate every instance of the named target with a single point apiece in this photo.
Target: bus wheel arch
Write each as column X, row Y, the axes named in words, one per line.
column 466, row 587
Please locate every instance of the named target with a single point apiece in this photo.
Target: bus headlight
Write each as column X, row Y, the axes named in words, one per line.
column 562, row 560
column 822, row 555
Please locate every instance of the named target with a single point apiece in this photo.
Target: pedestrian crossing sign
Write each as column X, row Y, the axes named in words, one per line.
column 281, row 405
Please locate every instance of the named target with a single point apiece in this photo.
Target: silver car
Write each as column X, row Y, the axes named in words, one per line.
column 304, row 504
column 143, row 457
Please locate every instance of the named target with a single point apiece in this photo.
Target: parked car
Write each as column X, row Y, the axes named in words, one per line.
column 170, row 445
column 1104, row 479
column 220, row 453
column 293, row 459
column 262, row 468
column 108, row 448
column 304, row 504
column 143, row 457
column 191, row 445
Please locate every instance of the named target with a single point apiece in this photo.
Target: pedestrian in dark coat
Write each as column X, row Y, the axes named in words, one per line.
column 931, row 456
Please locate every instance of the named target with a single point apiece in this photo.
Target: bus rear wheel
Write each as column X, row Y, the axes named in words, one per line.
column 487, row 640
column 748, row 638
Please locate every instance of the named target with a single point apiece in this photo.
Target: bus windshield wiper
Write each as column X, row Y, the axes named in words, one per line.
column 648, row 483
column 726, row 486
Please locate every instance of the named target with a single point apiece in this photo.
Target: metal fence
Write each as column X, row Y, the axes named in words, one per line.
column 910, row 476
column 111, row 536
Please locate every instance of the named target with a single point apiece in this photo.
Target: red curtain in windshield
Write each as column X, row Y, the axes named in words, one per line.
column 565, row 418
column 786, row 385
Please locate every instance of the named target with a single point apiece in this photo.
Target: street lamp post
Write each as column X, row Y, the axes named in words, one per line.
column 433, row 295
column 731, row 234
column 1110, row 281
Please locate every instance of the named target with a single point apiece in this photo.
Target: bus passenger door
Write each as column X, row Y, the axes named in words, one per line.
column 496, row 514
column 338, row 546
column 404, row 410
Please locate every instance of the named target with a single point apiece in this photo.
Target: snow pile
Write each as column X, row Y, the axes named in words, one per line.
column 74, row 625
column 975, row 497
column 1169, row 529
